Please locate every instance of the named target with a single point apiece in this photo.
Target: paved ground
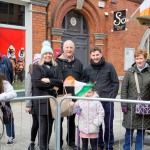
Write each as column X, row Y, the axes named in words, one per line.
column 23, row 123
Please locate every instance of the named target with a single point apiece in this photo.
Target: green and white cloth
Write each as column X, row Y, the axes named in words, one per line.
column 81, row 88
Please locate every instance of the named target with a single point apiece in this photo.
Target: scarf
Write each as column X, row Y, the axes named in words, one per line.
column 99, row 65
column 49, row 69
column 48, row 63
column 145, row 66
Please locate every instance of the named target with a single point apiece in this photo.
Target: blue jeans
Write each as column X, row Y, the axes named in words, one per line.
column 10, row 131
column 129, row 139
column 108, row 141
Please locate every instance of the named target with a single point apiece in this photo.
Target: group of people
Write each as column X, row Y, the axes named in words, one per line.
column 46, row 77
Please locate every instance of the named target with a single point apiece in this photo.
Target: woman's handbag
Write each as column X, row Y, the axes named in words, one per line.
column 64, row 108
column 141, row 109
column 7, row 114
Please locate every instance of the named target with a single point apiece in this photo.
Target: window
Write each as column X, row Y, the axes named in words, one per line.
column 12, row 14
column 136, row 1
column 74, row 22
column 147, row 45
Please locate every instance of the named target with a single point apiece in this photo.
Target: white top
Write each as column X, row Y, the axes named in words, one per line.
column 9, row 92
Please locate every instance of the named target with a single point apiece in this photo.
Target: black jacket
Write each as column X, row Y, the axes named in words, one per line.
column 40, row 88
column 105, row 79
column 73, row 68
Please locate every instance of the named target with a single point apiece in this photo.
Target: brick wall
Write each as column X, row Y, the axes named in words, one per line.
column 38, row 27
column 118, row 40
column 115, row 42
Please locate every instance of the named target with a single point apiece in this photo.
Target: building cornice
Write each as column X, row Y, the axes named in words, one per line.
column 40, row 2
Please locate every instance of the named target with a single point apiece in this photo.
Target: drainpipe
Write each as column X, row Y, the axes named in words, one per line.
column 47, row 21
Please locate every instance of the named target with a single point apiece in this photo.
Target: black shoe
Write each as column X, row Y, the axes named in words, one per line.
column 31, row 146
column 10, row 141
column 73, row 146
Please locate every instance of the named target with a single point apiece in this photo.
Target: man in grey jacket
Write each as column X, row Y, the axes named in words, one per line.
column 106, row 81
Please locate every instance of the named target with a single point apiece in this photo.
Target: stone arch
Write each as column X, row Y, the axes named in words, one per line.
column 88, row 11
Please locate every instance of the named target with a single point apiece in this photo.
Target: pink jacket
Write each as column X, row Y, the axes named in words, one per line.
column 92, row 115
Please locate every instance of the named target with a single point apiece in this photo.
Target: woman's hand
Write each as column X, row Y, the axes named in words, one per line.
column 27, row 109
column 124, row 109
column 56, row 88
column 45, row 80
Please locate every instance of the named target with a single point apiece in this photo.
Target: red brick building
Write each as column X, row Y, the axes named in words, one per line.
column 88, row 23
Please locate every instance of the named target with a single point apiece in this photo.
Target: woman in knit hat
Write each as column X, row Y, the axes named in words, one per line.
column 46, row 80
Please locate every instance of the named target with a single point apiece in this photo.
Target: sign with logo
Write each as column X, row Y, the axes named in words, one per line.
column 119, row 20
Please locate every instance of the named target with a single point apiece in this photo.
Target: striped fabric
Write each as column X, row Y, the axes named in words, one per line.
column 145, row 8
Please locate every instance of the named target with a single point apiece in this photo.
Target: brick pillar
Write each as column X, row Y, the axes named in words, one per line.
column 56, row 38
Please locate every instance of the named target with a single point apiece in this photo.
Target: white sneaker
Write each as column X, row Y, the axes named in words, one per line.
column 10, row 141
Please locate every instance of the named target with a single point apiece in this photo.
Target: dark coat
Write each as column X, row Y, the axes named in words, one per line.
column 129, row 91
column 6, row 68
column 105, row 79
column 40, row 88
column 73, row 68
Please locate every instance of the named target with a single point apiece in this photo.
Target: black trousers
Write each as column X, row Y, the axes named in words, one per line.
column 93, row 143
column 34, row 128
column 45, row 131
column 70, row 131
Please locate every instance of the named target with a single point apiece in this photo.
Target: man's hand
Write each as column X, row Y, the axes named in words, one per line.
column 45, row 80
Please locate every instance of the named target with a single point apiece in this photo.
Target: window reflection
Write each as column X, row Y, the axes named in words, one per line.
column 12, row 14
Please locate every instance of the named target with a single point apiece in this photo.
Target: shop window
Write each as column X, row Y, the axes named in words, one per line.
column 12, row 14
column 147, row 45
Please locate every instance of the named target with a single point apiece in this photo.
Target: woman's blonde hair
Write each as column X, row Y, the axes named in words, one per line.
column 41, row 62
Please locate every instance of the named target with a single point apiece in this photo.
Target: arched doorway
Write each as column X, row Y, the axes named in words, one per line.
column 76, row 29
